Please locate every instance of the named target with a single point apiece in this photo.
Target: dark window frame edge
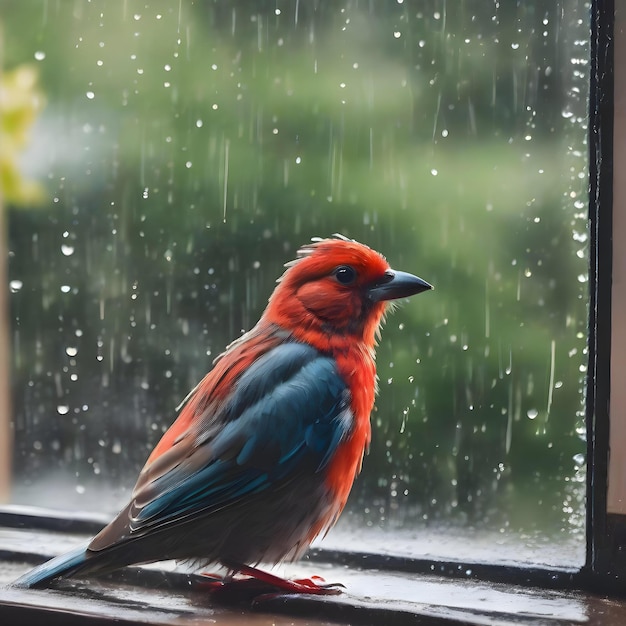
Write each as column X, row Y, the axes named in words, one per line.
column 603, row 530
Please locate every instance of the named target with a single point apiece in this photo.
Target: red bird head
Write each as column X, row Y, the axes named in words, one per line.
column 337, row 288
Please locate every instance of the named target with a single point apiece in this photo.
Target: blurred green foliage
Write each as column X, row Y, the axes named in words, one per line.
column 20, row 103
column 190, row 148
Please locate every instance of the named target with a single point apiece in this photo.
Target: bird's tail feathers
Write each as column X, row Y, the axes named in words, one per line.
column 63, row 565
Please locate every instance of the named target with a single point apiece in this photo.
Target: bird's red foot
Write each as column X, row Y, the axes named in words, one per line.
column 264, row 585
column 302, row 585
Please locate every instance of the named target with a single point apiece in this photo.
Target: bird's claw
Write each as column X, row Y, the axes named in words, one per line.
column 316, row 584
column 265, row 586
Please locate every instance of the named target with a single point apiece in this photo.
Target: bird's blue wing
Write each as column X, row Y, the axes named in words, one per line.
column 287, row 414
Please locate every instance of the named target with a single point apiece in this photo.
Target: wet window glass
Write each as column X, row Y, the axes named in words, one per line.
column 177, row 156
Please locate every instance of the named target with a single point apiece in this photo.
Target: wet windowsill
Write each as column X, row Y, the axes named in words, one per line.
column 153, row 595
column 370, row 597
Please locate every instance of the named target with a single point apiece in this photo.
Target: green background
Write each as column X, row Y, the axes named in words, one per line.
column 188, row 149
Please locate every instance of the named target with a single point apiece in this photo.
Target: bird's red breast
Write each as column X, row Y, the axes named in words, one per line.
column 359, row 372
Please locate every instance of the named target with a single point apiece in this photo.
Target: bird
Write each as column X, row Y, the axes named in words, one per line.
column 263, row 453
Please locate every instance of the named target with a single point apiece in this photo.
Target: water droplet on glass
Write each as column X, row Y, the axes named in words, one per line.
column 63, row 409
column 40, row 55
column 15, row 285
column 67, row 250
column 532, row 413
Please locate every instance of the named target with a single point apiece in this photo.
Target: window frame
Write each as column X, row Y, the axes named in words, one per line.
column 606, row 532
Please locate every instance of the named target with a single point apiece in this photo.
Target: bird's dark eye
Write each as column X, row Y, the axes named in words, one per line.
column 345, row 274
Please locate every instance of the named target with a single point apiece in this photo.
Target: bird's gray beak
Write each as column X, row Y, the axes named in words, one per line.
column 396, row 285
